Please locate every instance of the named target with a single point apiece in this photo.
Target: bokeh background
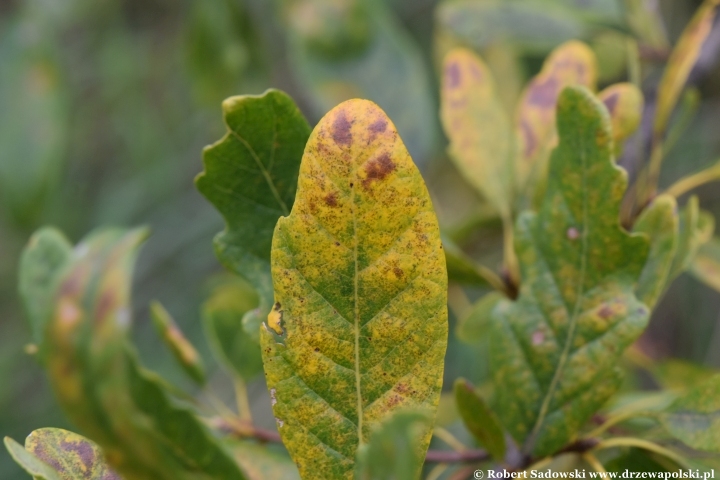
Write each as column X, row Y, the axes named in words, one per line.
column 105, row 108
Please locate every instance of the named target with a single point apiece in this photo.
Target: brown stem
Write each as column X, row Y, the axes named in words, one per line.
column 449, row 456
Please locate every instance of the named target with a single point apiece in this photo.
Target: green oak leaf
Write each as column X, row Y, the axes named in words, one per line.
column 97, row 380
column 480, row 419
column 182, row 350
column 359, row 327
column 41, row 262
column 660, row 223
column 554, row 350
column 30, row 462
column 694, row 417
column 250, row 177
column 222, row 316
column 394, row 451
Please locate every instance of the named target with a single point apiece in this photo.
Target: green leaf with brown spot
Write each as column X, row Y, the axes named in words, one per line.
column 97, row 379
column 681, row 62
column 659, row 222
column 395, row 450
column 572, row 63
column 694, row 417
column 29, row 462
column 479, row 419
column 481, row 140
column 41, row 262
column 222, row 317
column 625, row 103
column 554, row 351
column 181, row 349
column 359, row 327
column 71, row 455
column 706, row 264
column 250, row 177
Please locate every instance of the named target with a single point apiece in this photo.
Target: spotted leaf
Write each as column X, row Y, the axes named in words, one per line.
column 359, row 327
column 694, row 417
column 554, row 351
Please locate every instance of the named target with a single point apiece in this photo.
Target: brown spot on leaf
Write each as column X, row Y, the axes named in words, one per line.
column 544, row 94
column 107, row 300
column 611, row 102
column 606, row 312
column 378, row 126
column 341, row 129
column 331, row 199
column 378, row 169
column 452, row 75
column 398, row 272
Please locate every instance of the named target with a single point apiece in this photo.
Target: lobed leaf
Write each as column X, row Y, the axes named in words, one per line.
column 554, row 351
column 659, row 222
column 706, row 264
column 681, row 62
column 625, row 103
column 30, row 462
column 250, row 176
column 97, row 380
column 222, row 317
column 572, row 63
column 694, row 417
column 395, row 450
column 480, row 419
column 41, row 262
column 181, row 349
column 359, row 327
column 481, row 143
column 71, row 455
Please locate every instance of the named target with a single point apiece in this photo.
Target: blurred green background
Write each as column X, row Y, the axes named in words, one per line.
column 105, row 108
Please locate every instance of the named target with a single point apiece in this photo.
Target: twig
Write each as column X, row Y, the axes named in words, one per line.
column 443, row 456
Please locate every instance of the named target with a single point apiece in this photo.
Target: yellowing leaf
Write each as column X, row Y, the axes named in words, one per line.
column 30, row 462
column 479, row 419
column 694, row 417
column 681, row 62
column 624, row 102
column 481, row 142
column 97, row 380
column 706, row 264
column 660, row 223
column 250, row 177
column 183, row 351
column 361, row 292
column 572, row 63
column 71, row 455
column 554, row 351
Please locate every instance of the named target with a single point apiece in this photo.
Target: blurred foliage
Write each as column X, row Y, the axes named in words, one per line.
column 105, row 108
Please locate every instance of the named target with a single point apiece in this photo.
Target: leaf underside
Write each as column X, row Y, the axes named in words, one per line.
column 553, row 352
column 359, row 328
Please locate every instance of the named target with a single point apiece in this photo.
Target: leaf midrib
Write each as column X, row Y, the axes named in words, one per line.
column 576, row 308
column 265, row 170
